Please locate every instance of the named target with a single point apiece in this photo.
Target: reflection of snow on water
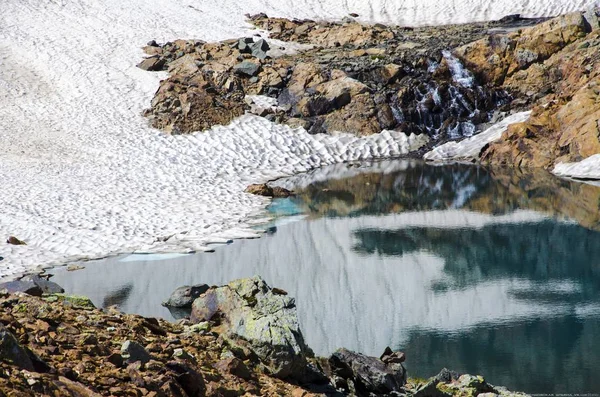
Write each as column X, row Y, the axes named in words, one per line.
column 340, row 292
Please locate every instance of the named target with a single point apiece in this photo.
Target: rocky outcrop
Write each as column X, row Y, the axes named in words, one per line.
column 259, row 319
column 554, row 67
column 354, row 78
column 52, row 347
column 498, row 57
column 49, row 347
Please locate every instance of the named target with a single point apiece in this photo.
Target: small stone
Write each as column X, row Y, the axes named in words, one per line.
column 183, row 355
column 15, row 241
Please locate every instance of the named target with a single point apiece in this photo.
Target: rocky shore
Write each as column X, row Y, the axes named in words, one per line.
column 243, row 339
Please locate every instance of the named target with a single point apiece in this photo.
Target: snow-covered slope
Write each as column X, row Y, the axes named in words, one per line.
column 83, row 175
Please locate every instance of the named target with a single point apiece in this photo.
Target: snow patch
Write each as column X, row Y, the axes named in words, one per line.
column 84, row 175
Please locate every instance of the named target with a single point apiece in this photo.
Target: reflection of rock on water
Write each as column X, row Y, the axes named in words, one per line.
column 419, row 187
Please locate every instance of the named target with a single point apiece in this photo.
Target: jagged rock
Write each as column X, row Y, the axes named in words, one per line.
column 132, row 352
column 243, row 45
column 15, row 241
column 12, row 352
column 255, row 318
column 368, row 374
column 32, row 285
column 153, row 63
column 247, row 68
column 259, row 49
column 184, row 296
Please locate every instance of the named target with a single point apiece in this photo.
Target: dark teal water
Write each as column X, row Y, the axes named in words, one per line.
column 495, row 273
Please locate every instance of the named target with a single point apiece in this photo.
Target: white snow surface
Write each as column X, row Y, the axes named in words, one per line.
column 82, row 173
column 588, row 168
column 469, row 149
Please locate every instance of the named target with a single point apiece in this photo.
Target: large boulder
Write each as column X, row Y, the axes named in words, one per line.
column 258, row 318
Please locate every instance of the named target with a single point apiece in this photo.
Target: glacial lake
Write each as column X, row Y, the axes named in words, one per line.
column 491, row 272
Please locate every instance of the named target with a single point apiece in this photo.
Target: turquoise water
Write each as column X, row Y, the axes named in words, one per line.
column 496, row 273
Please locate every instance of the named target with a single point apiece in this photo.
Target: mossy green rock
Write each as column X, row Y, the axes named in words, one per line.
column 77, row 301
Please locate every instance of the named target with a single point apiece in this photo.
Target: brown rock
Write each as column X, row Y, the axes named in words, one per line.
column 499, row 56
column 153, row 63
column 265, row 190
column 234, row 366
column 15, row 241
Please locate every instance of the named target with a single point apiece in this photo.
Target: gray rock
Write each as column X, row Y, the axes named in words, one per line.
column 367, row 374
column 257, row 318
column 260, row 48
column 132, row 351
column 12, row 352
column 243, row 45
column 183, row 297
column 592, row 16
column 32, row 285
column 247, row 68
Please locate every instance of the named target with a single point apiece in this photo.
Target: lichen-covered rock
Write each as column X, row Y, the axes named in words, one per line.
column 449, row 383
column 254, row 316
column 80, row 302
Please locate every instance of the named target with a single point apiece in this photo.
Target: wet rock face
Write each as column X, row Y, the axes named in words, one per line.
column 355, row 78
column 257, row 318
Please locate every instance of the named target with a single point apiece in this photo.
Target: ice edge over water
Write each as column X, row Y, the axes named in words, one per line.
column 84, row 176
